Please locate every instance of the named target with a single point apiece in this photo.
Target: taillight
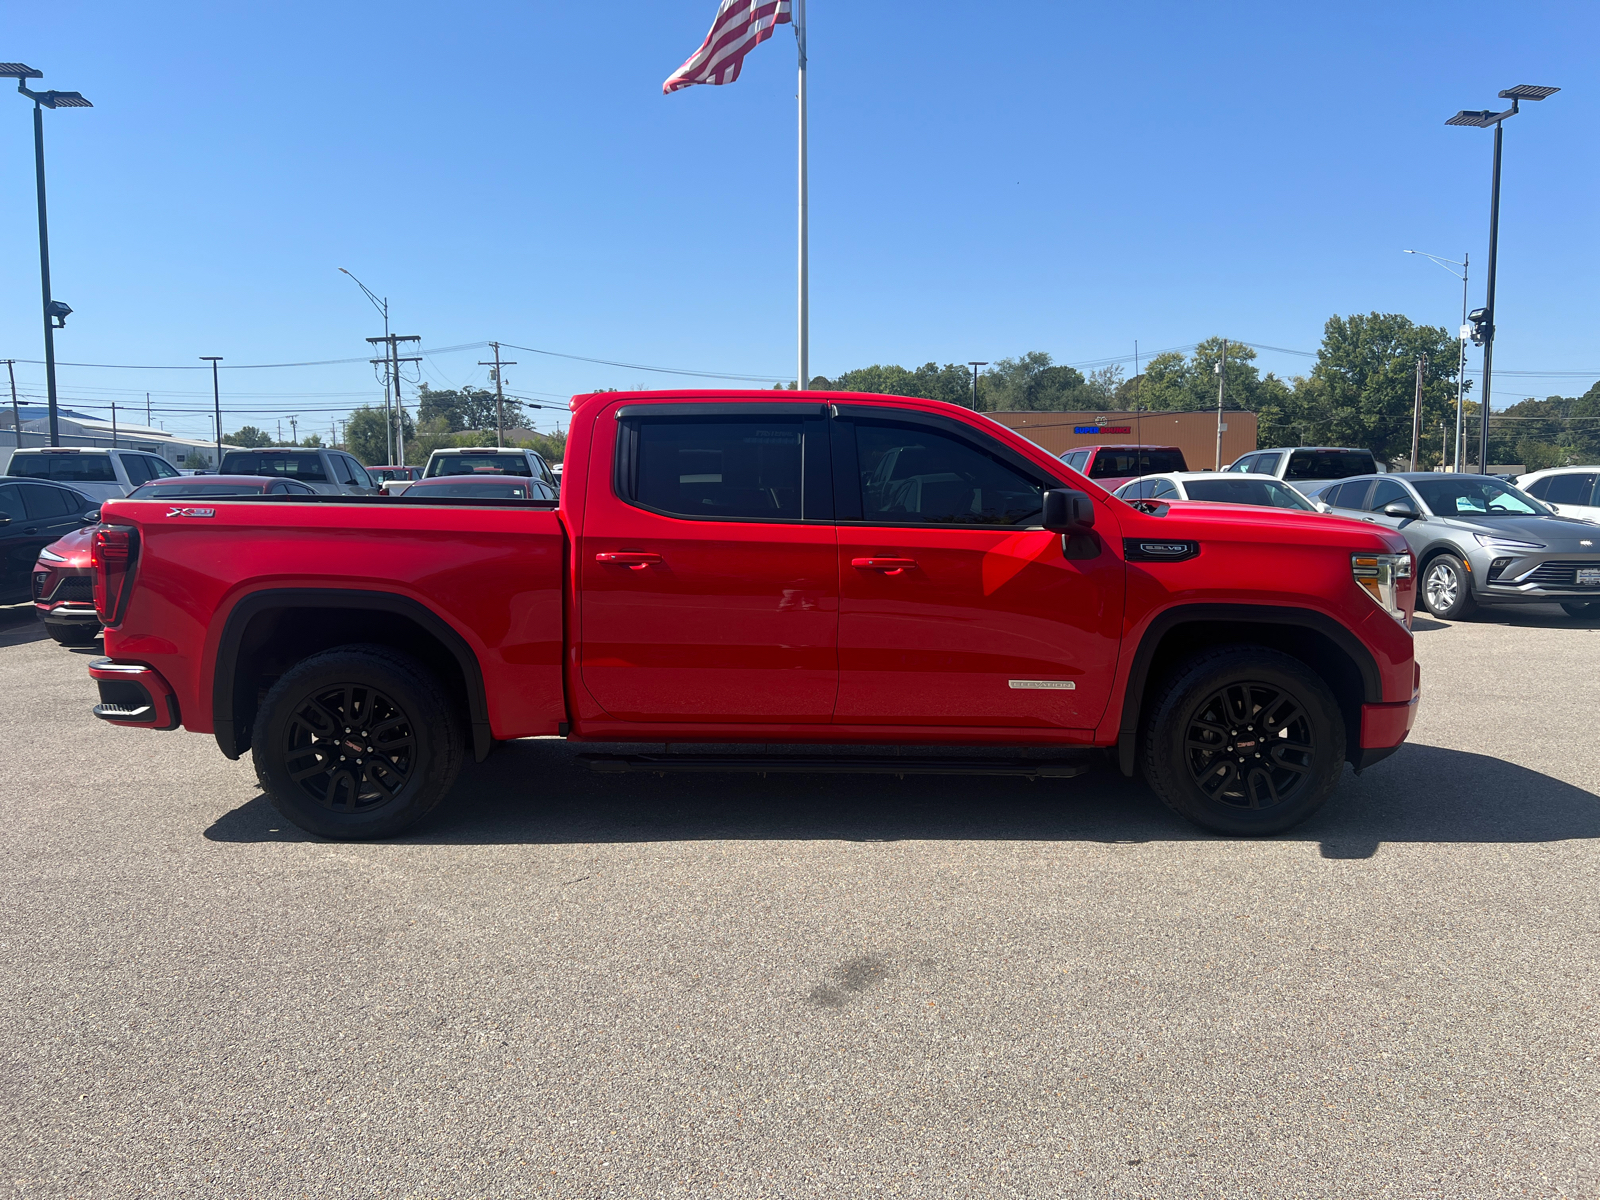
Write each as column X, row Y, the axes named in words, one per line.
column 112, row 556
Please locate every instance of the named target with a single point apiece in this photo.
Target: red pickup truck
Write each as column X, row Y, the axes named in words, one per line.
column 769, row 568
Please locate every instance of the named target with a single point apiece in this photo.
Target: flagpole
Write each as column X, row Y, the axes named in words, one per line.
column 804, row 379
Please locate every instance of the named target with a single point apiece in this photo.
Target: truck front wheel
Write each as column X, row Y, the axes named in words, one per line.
column 1244, row 740
column 356, row 742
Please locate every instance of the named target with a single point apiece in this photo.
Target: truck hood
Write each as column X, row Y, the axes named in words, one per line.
column 1279, row 524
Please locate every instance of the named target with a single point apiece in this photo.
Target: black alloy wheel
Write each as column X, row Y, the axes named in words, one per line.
column 1243, row 740
column 1250, row 744
column 349, row 747
column 74, row 635
column 1581, row 608
column 357, row 742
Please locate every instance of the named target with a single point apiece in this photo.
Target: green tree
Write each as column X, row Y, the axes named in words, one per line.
column 1362, row 389
column 467, row 408
column 1032, row 382
column 248, row 437
column 311, row 439
column 1554, row 432
column 197, row 461
column 951, row 383
column 367, row 439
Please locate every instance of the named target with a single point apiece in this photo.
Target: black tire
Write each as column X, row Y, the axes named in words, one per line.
column 1446, row 588
column 404, row 766
column 74, row 635
column 1234, row 699
column 1581, row 608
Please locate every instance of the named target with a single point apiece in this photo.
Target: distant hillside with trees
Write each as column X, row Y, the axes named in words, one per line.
column 1359, row 392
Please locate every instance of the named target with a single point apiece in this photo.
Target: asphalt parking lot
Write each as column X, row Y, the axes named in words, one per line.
column 578, row 985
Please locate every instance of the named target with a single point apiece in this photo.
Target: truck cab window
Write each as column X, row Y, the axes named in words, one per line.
column 741, row 468
column 911, row 474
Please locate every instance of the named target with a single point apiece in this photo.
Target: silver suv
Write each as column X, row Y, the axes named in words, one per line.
column 331, row 472
column 103, row 474
column 1477, row 540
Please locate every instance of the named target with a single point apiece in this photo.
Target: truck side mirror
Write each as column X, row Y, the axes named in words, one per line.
column 92, row 517
column 1067, row 510
column 1402, row 509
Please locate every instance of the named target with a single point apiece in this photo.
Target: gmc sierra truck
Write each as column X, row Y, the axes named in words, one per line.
column 791, row 569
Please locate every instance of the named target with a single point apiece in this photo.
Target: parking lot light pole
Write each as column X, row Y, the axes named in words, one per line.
column 216, row 400
column 55, row 312
column 1483, row 119
column 975, row 366
column 1461, row 339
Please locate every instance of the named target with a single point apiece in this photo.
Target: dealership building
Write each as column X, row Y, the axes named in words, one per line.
column 1195, row 433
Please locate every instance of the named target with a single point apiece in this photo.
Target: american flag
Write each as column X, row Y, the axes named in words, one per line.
column 740, row 27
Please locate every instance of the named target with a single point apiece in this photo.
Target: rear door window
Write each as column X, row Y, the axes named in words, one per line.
column 307, row 467
column 1330, row 464
column 1246, row 464
column 726, row 468
column 1574, row 488
column 1266, row 464
column 912, row 474
column 137, row 467
column 1077, row 459
column 1164, row 489
column 160, row 469
column 1346, row 495
column 44, row 503
column 64, row 468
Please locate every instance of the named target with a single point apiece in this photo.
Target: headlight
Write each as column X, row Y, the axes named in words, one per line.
column 1384, row 577
column 1509, row 545
column 51, row 556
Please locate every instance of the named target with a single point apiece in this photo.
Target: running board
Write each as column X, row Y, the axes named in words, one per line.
column 818, row 764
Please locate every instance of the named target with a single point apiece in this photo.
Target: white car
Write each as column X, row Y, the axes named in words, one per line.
column 1569, row 490
column 103, row 474
column 490, row 460
column 1218, row 488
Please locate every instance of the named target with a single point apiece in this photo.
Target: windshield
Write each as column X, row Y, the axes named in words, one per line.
column 188, row 491
column 268, row 462
column 1475, row 496
column 1330, row 464
column 1115, row 464
column 487, row 463
column 1268, row 493
column 64, row 468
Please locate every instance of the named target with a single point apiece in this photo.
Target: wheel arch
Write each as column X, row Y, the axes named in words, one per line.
column 257, row 645
column 1314, row 638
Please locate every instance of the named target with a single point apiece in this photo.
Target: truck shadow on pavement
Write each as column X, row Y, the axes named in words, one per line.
column 536, row 792
column 20, row 624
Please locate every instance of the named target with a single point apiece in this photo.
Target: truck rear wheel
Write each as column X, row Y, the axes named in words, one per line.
column 1244, row 740
column 356, row 742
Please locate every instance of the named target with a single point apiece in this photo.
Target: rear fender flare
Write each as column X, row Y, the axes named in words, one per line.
column 248, row 607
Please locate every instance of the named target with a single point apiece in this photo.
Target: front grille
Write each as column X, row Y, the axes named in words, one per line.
column 40, row 578
column 75, row 587
column 1557, row 573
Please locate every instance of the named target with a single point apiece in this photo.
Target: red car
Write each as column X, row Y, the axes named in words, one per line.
column 63, row 578
column 1113, row 466
column 766, row 568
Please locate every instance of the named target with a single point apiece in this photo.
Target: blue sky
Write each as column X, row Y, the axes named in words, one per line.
column 1069, row 178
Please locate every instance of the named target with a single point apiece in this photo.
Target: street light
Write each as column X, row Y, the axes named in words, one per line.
column 975, row 366
column 216, row 400
column 388, row 413
column 55, row 312
column 1461, row 339
column 1482, row 119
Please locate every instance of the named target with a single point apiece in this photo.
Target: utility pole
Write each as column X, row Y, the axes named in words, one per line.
column 499, row 393
column 1140, row 386
column 1222, row 380
column 147, row 410
column 395, row 420
column 975, row 366
column 280, row 431
column 113, row 424
column 1416, row 412
column 1444, row 445
column 294, row 430
column 216, row 400
column 16, row 413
